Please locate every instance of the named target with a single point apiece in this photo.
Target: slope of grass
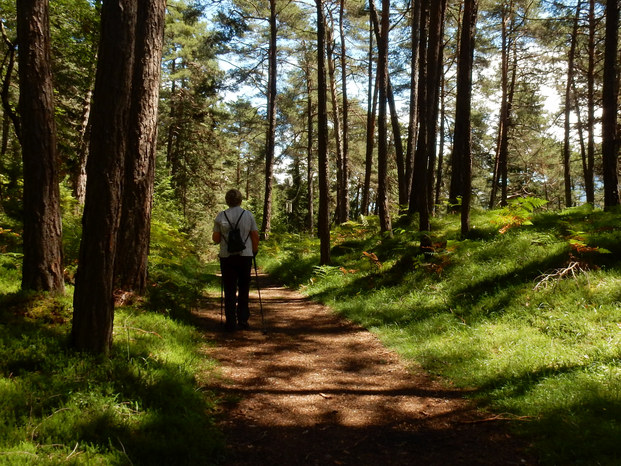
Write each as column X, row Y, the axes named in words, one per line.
column 530, row 319
column 146, row 404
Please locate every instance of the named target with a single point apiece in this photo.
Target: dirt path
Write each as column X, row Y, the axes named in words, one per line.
column 318, row 390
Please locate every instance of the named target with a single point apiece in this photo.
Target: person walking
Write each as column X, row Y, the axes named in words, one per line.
column 230, row 226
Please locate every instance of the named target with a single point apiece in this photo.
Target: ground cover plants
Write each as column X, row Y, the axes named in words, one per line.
column 145, row 404
column 525, row 314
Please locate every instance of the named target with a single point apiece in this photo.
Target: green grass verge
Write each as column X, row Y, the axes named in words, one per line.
column 147, row 404
column 501, row 314
column 144, row 405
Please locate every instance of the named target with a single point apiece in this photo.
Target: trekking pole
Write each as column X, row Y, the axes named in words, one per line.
column 221, row 296
column 256, row 274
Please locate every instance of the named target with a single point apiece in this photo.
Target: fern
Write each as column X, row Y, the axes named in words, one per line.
column 518, row 212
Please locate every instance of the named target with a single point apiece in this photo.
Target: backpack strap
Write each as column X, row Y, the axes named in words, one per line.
column 236, row 224
column 238, row 218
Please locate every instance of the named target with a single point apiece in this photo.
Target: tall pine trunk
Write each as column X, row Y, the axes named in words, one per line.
column 589, row 186
column 93, row 300
column 429, row 82
column 414, row 86
column 322, row 139
column 42, row 261
column 345, row 155
column 610, row 145
column 135, row 227
column 309, row 148
column 568, row 107
column 382, row 128
column 462, row 151
column 370, row 136
column 270, row 144
column 336, row 121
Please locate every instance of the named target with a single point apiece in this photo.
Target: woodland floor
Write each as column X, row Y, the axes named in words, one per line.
column 315, row 389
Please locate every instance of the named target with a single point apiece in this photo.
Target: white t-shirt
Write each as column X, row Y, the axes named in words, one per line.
column 246, row 225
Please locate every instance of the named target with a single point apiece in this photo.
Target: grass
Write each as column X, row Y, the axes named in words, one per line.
column 500, row 314
column 146, row 404
column 493, row 313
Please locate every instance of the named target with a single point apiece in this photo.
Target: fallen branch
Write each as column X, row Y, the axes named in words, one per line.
column 499, row 417
column 543, row 281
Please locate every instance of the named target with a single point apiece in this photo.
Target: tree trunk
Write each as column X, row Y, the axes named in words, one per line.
column 8, row 112
column 439, row 170
column 345, row 155
column 336, row 121
column 462, row 150
column 80, row 179
column 437, row 44
column 93, row 301
column 430, row 53
column 589, row 186
column 420, row 161
column 382, row 129
column 135, row 227
column 309, row 150
column 414, row 86
column 371, row 117
column 396, row 134
column 567, row 113
column 322, row 140
column 42, row 262
column 270, row 143
column 394, row 119
column 507, row 86
column 610, row 107
column 370, row 136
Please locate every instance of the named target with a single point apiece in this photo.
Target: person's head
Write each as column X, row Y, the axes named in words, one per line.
column 233, row 197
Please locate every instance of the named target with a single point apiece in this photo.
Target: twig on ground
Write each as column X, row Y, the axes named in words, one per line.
column 499, row 417
column 544, row 280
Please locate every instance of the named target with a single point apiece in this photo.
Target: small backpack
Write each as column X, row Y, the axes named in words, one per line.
column 234, row 242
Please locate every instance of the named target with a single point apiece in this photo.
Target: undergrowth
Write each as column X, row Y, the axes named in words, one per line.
column 145, row 404
column 525, row 312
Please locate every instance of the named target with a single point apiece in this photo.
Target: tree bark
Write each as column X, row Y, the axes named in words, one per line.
column 414, row 86
column 135, row 227
column 336, row 121
column 322, row 140
column 507, row 89
column 93, row 301
column 42, row 262
column 345, row 155
column 9, row 113
column 382, row 129
column 610, row 107
column 309, row 150
column 370, row 136
column 420, row 162
column 430, row 53
column 461, row 177
column 394, row 120
column 270, row 143
column 567, row 112
column 589, row 185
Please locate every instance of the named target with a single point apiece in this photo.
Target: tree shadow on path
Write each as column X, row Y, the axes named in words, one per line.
column 318, row 390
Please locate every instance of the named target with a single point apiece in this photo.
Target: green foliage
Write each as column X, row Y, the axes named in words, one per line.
column 146, row 404
column 140, row 406
column 501, row 313
column 176, row 275
column 518, row 212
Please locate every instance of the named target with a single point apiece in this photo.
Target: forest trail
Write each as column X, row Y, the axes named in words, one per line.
column 318, row 390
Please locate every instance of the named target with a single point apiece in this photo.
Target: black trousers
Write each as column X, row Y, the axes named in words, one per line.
column 236, row 273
